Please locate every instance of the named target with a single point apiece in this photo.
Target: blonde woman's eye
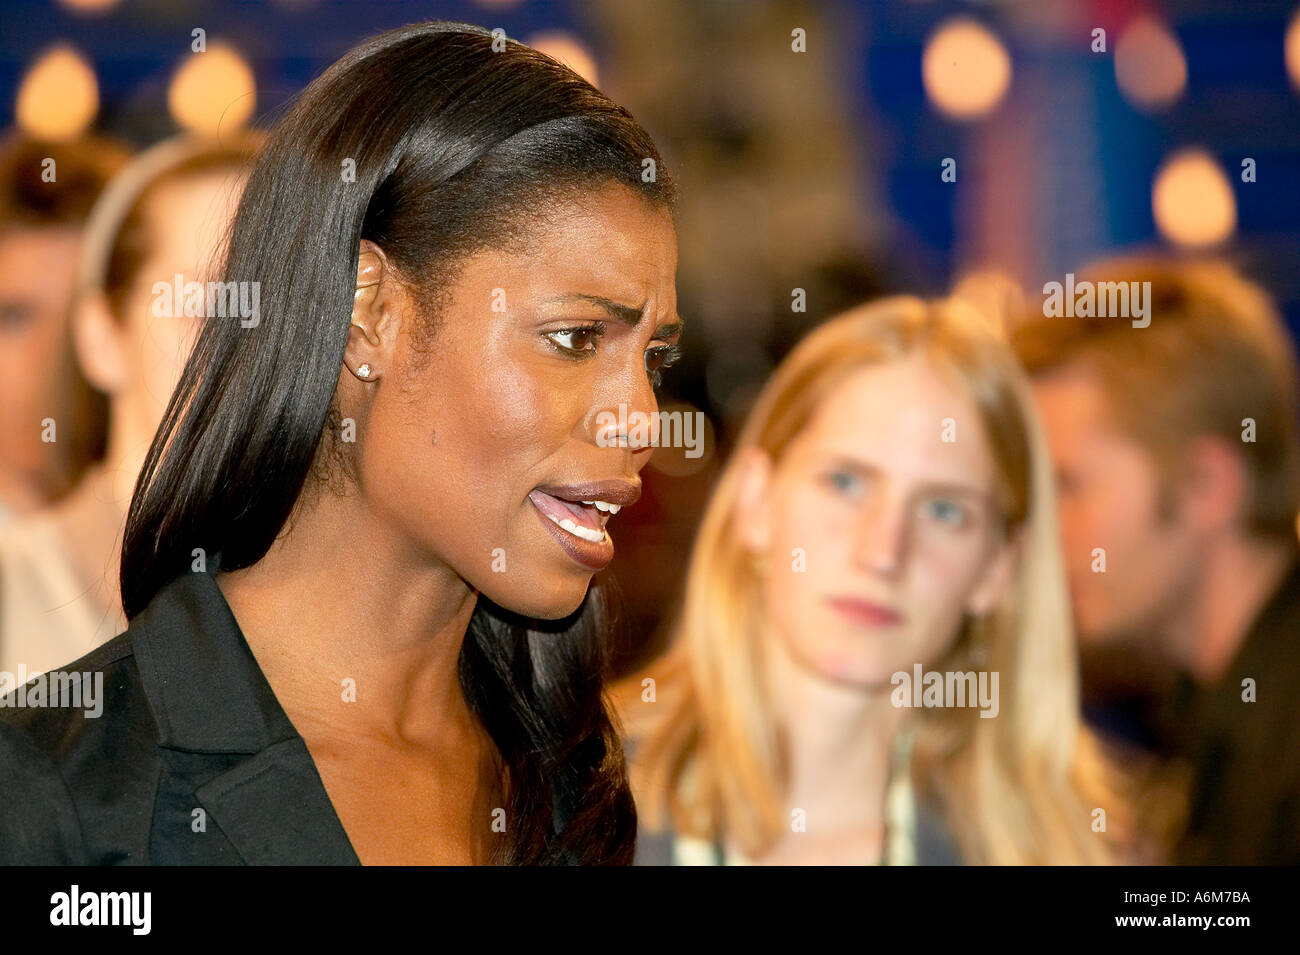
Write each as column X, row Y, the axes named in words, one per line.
column 945, row 511
column 842, row 482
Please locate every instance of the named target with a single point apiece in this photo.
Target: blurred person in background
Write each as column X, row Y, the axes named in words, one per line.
column 1176, row 456
column 163, row 216
column 46, row 192
column 888, row 508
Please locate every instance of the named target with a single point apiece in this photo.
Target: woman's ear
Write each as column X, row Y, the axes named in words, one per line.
column 752, row 511
column 373, row 335
column 98, row 339
column 995, row 583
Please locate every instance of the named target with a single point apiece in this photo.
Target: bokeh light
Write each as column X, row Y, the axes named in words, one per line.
column 1293, row 49
column 59, row 95
column 1192, row 200
column 212, row 91
column 965, row 68
column 1149, row 64
column 569, row 50
column 89, row 6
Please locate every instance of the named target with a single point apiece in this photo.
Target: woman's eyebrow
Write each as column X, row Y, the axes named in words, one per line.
column 629, row 315
column 957, row 490
column 670, row 329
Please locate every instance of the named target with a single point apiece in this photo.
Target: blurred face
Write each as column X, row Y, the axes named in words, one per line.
column 899, row 527
column 479, row 447
column 184, row 220
column 36, row 278
column 1108, row 495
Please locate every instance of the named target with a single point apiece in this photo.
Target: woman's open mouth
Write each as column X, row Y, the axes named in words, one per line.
column 577, row 519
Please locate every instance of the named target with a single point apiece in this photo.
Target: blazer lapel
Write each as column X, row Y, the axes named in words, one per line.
column 274, row 810
column 212, row 704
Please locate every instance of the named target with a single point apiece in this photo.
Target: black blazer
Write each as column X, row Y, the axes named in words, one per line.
column 190, row 733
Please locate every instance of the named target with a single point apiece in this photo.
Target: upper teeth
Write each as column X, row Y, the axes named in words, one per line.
column 603, row 506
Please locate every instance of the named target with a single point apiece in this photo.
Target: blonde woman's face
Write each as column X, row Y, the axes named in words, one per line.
column 878, row 526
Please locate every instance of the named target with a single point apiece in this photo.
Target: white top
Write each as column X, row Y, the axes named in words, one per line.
column 48, row 616
column 900, row 819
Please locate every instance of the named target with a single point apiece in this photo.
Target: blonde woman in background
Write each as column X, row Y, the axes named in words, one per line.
column 889, row 504
column 163, row 215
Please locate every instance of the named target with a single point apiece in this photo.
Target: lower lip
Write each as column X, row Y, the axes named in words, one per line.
column 865, row 615
column 590, row 555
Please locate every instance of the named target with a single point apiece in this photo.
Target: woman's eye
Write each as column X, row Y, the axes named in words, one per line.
column 659, row 358
column 14, row 316
column 842, row 482
column 945, row 511
column 576, row 339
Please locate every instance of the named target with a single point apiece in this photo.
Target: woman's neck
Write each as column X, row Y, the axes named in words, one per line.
column 839, row 742
column 340, row 597
column 90, row 521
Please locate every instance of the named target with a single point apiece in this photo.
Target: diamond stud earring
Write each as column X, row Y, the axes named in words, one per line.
column 363, row 371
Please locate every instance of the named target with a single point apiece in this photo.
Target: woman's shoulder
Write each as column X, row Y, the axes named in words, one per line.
column 183, row 755
column 39, row 823
column 57, row 707
column 71, row 740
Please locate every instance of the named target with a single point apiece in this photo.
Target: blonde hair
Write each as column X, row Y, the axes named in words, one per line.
column 1019, row 788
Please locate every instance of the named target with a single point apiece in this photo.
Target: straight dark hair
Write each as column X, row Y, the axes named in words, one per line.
column 434, row 141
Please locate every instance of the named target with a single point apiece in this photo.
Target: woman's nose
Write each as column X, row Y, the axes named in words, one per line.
column 629, row 415
column 881, row 536
column 626, row 427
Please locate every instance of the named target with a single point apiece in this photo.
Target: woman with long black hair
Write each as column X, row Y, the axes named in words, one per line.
column 380, row 477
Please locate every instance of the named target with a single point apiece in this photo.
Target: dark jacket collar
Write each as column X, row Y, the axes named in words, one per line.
column 1265, row 655
column 208, row 696
column 204, row 686
column 1270, row 639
